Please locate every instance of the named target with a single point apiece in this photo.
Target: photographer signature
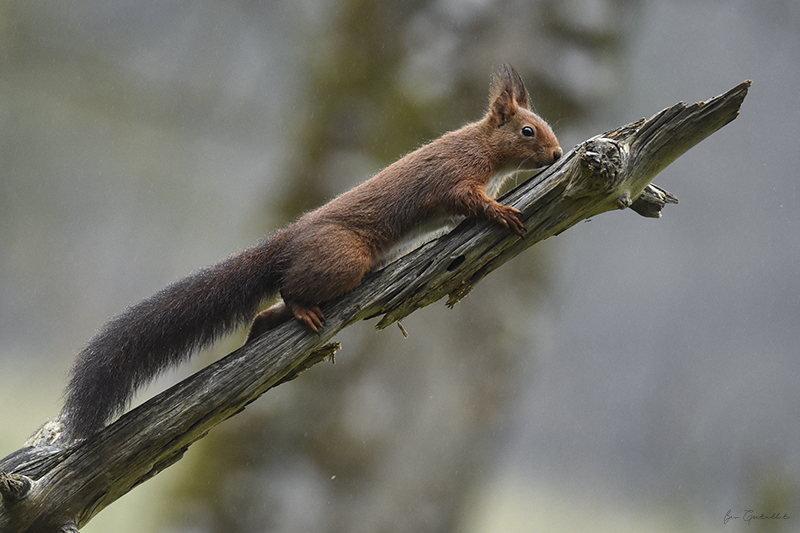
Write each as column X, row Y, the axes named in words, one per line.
column 750, row 515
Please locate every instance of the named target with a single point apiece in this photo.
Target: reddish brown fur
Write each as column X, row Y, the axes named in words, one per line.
column 330, row 249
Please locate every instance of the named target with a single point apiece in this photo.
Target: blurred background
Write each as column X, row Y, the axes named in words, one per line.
column 628, row 375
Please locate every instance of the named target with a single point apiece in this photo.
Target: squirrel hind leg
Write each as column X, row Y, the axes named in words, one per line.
column 338, row 265
column 268, row 319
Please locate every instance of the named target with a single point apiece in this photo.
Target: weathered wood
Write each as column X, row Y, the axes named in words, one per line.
column 45, row 487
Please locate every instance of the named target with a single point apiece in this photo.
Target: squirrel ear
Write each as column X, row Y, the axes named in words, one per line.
column 506, row 93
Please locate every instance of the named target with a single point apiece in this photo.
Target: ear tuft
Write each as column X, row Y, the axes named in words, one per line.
column 520, row 92
column 506, row 93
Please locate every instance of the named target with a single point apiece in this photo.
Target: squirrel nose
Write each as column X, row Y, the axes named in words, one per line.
column 557, row 153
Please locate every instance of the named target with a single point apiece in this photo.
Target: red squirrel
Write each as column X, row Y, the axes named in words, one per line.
column 322, row 255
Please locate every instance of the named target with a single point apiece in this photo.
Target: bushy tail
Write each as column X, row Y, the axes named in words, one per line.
column 163, row 331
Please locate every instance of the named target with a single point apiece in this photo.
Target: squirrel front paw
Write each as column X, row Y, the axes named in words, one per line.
column 507, row 216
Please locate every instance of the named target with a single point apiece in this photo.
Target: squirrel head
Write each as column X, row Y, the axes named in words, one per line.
column 518, row 135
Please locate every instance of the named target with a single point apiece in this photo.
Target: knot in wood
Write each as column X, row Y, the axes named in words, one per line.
column 599, row 164
column 14, row 487
column 601, row 160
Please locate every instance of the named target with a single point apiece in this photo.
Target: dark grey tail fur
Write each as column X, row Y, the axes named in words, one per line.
column 163, row 331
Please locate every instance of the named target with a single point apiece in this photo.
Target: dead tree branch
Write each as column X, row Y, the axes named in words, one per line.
column 46, row 487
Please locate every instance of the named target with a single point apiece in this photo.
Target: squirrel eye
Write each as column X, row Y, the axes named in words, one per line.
column 527, row 131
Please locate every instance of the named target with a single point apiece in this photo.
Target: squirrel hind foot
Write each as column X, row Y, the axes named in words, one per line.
column 278, row 313
column 311, row 316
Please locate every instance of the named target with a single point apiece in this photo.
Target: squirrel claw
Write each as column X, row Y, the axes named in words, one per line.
column 516, row 226
column 310, row 316
column 512, row 221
